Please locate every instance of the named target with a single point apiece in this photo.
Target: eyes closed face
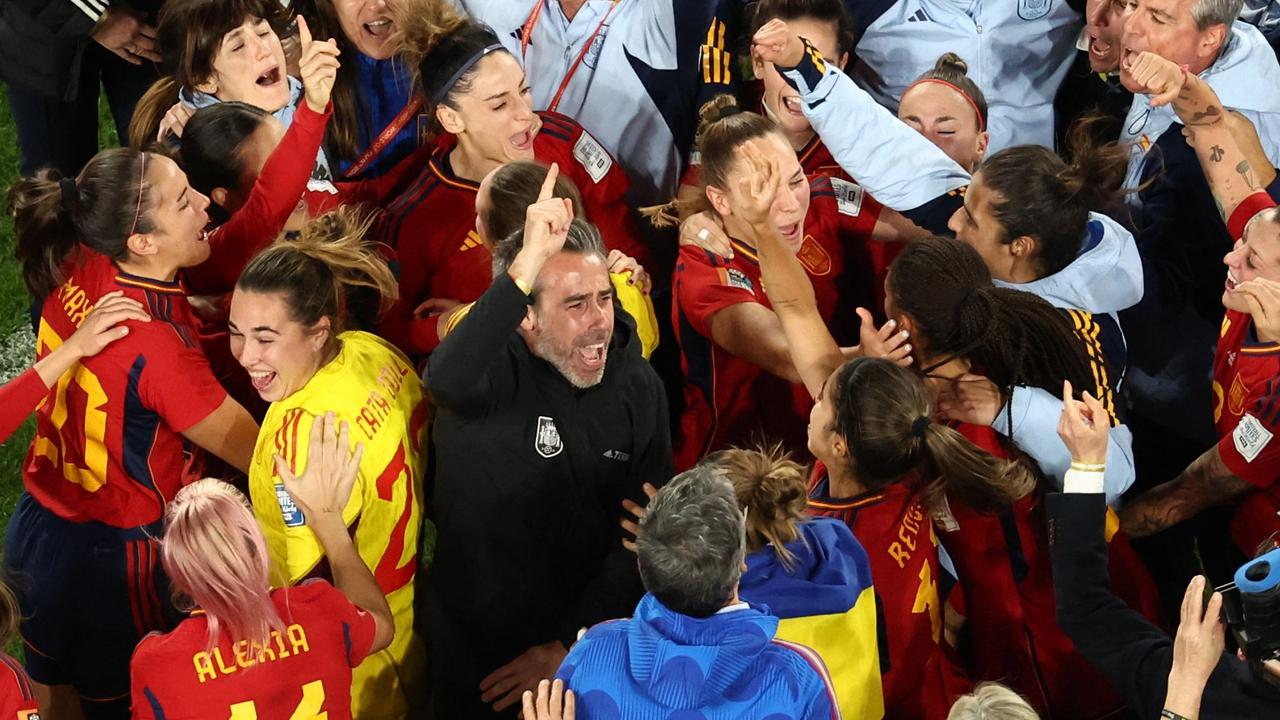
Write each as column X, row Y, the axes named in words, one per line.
column 792, row 202
column 497, row 111
column 945, row 117
column 280, row 354
column 250, row 67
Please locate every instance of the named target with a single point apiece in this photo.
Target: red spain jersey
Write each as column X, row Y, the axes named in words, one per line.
column 1246, row 390
column 108, row 446
column 920, row 679
column 304, row 671
column 432, row 226
column 1006, row 593
column 724, row 394
column 17, row 699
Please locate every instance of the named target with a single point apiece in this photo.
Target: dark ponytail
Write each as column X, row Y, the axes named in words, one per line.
column 723, row 127
column 1012, row 336
column 316, row 272
column 884, row 414
column 1039, row 195
column 99, row 208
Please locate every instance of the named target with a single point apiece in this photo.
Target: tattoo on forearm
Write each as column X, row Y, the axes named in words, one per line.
column 1246, row 172
column 1215, row 154
column 1208, row 116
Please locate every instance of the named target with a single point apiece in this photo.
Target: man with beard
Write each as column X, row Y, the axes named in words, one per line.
column 548, row 417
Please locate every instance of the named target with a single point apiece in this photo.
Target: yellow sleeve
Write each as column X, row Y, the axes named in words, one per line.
column 639, row 306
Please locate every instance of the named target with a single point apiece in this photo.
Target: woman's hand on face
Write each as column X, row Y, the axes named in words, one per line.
column 318, row 67
column 759, row 187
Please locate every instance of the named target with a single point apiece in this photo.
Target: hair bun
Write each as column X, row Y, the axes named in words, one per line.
column 952, row 61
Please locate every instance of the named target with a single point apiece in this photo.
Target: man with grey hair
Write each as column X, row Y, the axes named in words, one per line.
column 692, row 646
column 547, row 417
column 1179, row 231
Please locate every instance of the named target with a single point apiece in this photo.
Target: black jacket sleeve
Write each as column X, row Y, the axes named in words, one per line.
column 1132, row 653
column 42, row 43
column 470, row 364
column 615, row 590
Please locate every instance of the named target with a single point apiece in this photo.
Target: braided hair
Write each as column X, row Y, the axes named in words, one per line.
column 1014, row 337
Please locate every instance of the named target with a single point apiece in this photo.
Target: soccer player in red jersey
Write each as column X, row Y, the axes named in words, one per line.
column 940, row 290
column 249, row 651
column 1244, row 465
column 17, row 693
column 735, row 356
column 118, row 436
column 476, row 92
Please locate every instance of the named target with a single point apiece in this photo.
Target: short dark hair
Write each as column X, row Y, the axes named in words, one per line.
column 692, row 542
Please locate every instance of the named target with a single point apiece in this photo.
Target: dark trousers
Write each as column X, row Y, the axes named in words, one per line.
column 64, row 134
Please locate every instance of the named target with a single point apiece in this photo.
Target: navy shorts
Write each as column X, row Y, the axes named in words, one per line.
column 89, row 592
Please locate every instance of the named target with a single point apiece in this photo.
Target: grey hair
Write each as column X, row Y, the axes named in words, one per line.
column 1208, row 13
column 692, row 542
column 583, row 239
column 992, row 701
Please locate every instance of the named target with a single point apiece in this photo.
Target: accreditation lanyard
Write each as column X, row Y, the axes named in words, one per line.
column 526, row 33
column 384, row 138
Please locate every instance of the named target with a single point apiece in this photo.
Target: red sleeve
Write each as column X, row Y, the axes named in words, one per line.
column 275, row 194
column 1245, row 211
column 358, row 626
column 1251, row 451
column 18, row 398
column 177, row 382
column 461, row 273
column 142, row 675
column 17, row 699
column 703, row 289
column 604, row 186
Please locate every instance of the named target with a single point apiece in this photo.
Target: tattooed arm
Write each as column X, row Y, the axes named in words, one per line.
column 1224, row 141
column 1205, row 483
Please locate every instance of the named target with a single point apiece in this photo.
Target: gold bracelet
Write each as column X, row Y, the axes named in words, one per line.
column 1088, row 467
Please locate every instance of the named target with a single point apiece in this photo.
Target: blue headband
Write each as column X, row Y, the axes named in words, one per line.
column 444, row 90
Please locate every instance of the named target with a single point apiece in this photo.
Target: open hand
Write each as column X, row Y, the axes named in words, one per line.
column 332, row 469
column 102, row 327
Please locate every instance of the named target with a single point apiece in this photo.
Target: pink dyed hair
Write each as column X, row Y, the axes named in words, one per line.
column 215, row 556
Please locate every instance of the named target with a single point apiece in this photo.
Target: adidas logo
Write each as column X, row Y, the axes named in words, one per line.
column 918, row 16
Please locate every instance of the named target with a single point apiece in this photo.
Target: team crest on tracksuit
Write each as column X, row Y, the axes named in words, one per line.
column 1033, row 9
column 547, row 440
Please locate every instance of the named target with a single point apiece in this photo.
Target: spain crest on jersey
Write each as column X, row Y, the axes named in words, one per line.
column 1033, row 9
column 547, row 438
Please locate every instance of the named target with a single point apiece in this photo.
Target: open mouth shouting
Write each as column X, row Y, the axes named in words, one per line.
column 270, row 77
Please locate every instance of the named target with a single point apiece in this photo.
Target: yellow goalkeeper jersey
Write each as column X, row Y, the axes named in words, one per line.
column 374, row 388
